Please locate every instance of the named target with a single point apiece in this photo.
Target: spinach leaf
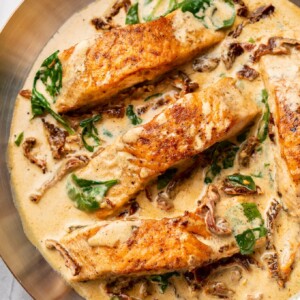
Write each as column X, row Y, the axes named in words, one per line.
column 262, row 132
column 153, row 96
column 164, row 179
column 251, row 211
column 222, row 157
column 50, row 73
column 194, row 6
column 246, row 241
column 162, row 280
column 40, row 105
column 262, row 231
column 90, row 131
column 88, row 194
column 19, row 139
column 135, row 120
column 132, row 16
column 256, row 229
column 242, row 180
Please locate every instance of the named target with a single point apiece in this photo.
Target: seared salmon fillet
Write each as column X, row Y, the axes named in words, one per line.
column 184, row 129
column 97, row 69
column 282, row 78
column 139, row 247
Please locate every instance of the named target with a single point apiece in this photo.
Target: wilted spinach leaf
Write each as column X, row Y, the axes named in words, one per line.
column 135, row 120
column 242, row 180
column 88, row 194
column 132, row 16
column 90, row 131
column 222, row 157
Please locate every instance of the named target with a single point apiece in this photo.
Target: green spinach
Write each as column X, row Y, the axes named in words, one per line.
column 40, row 105
column 246, row 241
column 242, row 181
column 135, row 120
column 222, row 156
column 251, row 211
column 132, row 16
column 90, row 131
column 50, row 74
column 88, row 194
column 255, row 223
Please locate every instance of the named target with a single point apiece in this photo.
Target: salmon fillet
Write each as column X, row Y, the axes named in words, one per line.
column 184, row 129
column 140, row 247
column 97, row 69
column 281, row 75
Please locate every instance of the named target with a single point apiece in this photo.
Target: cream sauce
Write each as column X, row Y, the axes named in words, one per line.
column 52, row 217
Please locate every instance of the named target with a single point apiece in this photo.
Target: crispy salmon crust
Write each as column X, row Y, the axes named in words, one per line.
column 281, row 75
column 97, row 69
column 182, row 130
column 152, row 247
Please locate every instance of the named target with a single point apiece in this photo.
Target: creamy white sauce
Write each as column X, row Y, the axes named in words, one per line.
column 55, row 213
column 113, row 233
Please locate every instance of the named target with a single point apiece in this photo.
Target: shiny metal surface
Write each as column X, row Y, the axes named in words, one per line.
column 21, row 41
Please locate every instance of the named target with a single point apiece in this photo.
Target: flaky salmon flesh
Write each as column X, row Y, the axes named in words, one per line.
column 97, row 69
column 142, row 247
column 281, row 75
column 189, row 126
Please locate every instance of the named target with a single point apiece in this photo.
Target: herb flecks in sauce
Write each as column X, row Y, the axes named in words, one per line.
column 19, row 139
column 90, row 131
column 135, row 120
column 88, row 194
